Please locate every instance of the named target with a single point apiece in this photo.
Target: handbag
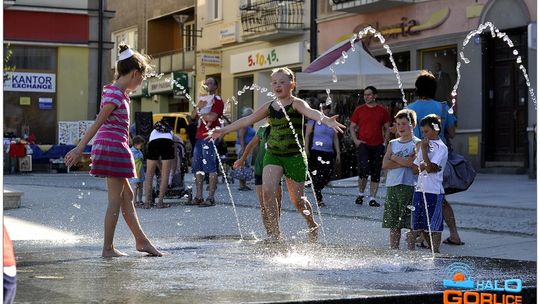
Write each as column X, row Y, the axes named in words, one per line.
column 244, row 173
column 458, row 173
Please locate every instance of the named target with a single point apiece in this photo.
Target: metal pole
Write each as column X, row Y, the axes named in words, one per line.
column 100, row 57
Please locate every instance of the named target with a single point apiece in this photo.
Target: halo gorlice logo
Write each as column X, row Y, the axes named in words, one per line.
column 462, row 289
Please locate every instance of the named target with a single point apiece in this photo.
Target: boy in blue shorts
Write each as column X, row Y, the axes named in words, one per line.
column 429, row 164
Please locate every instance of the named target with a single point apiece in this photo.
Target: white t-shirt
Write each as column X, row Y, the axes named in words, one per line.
column 209, row 103
column 432, row 182
column 156, row 134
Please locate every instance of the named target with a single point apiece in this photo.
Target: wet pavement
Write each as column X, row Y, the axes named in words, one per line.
column 58, row 233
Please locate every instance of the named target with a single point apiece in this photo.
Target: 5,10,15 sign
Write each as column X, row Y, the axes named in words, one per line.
column 266, row 58
column 30, row 82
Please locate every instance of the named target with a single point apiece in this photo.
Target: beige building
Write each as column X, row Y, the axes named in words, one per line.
column 166, row 31
column 243, row 40
column 496, row 114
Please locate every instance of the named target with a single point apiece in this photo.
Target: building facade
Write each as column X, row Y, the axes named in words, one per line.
column 166, row 31
column 57, row 73
column 496, row 114
column 242, row 41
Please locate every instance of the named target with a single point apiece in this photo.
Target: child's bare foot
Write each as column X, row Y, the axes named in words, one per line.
column 146, row 246
column 313, row 233
column 112, row 253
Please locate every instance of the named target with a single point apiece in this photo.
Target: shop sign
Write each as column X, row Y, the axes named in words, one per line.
column 210, row 59
column 30, row 82
column 45, row 103
column 141, row 90
column 267, row 58
column 160, row 85
column 227, row 34
column 406, row 27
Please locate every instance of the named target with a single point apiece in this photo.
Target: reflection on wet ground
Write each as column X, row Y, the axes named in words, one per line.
column 225, row 269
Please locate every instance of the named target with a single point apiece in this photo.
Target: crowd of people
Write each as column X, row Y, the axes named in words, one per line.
column 414, row 159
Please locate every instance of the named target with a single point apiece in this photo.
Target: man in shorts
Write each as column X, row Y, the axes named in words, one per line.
column 204, row 153
column 369, row 127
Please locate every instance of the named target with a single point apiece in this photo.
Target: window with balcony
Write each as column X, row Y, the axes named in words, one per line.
column 189, row 36
column 129, row 37
column 260, row 16
column 214, row 10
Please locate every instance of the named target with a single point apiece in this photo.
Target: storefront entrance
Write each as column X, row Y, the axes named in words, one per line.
column 505, row 101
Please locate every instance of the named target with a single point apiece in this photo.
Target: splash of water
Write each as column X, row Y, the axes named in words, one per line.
column 495, row 33
column 192, row 101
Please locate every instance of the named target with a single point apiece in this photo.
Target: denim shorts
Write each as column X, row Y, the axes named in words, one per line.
column 204, row 157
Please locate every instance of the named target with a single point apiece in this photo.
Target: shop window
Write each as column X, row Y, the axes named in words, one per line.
column 402, row 60
column 129, row 37
column 32, row 58
column 245, row 100
column 442, row 63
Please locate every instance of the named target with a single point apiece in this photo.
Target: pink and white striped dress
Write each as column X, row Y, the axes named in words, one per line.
column 111, row 155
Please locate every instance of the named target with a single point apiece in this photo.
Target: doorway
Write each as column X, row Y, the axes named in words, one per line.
column 505, row 101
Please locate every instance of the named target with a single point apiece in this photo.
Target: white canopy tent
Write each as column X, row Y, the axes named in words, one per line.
column 359, row 70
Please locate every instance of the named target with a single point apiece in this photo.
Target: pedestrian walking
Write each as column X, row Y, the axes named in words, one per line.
column 243, row 138
column 369, row 127
column 322, row 149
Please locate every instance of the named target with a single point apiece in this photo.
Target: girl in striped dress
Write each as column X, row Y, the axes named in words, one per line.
column 283, row 155
column 111, row 156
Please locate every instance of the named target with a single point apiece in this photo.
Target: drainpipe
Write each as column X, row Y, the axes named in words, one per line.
column 100, row 56
column 313, row 31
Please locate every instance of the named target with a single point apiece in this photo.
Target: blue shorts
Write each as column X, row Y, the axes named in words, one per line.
column 434, row 206
column 10, row 288
column 204, row 157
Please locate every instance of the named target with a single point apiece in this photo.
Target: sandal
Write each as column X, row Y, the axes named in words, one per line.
column 209, row 202
column 139, row 204
column 449, row 241
column 195, row 201
column 146, row 206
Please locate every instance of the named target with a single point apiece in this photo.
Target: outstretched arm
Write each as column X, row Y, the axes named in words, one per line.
column 302, row 107
column 239, row 163
column 258, row 115
column 73, row 156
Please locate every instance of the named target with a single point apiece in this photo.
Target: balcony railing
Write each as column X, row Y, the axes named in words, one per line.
column 175, row 60
column 365, row 6
column 272, row 17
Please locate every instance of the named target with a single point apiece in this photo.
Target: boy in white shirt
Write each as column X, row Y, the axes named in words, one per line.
column 429, row 165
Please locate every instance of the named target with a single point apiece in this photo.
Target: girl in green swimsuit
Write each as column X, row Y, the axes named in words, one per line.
column 283, row 155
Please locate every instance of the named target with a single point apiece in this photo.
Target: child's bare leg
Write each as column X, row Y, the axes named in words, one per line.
column 395, row 237
column 411, row 239
column 163, row 181
column 149, row 179
column 114, row 193
column 436, row 241
column 142, row 243
column 296, row 194
column 279, row 198
column 271, row 177
column 264, row 213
